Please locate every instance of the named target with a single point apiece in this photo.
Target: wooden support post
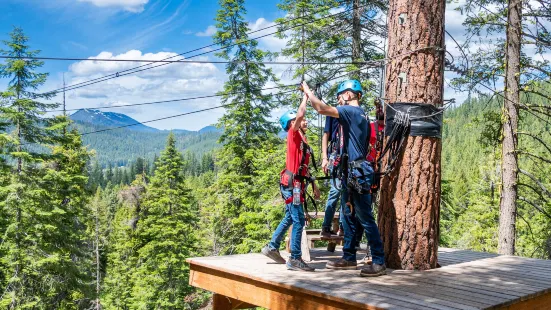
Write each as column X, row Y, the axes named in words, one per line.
column 410, row 196
column 221, row 302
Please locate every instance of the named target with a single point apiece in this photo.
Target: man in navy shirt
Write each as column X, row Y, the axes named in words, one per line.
column 356, row 200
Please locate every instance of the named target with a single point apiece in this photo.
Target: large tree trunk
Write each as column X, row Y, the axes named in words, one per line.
column 409, row 207
column 509, row 165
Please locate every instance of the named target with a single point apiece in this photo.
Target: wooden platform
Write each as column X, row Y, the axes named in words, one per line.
column 467, row 280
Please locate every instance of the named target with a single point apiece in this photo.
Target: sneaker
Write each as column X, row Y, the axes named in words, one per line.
column 273, row 254
column 373, row 270
column 326, row 232
column 298, row 265
column 341, row 264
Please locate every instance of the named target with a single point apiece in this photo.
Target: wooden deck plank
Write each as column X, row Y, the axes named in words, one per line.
column 346, row 279
column 427, row 279
column 443, row 296
column 366, row 294
column 445, row 278
column 281, row 295
column 293, row 278
column 526, row 275
column 468, row 280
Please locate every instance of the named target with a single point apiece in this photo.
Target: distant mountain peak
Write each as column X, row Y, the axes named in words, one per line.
column 113, row 119
column 109, row 119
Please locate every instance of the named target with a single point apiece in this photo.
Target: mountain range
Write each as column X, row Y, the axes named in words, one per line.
column 122, row 145
column 112, row 119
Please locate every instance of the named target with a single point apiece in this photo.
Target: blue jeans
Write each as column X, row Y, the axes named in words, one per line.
column 331, row 205
column 293, row 215
column 364, row 215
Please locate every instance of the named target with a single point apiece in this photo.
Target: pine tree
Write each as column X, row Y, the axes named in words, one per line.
column 109, row 173
column 65, row 267
column 123, row 242
column 518, row 40
column 102, row 209
column 247, row 130
column 117, row 177
column 309, row 38
column 166, row 236
column 126, row 178
column 96, row 176
column 362, row 29
column 5, row 140
column 153, row 166
column 31, row 209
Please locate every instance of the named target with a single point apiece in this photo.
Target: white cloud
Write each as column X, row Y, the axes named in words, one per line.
column 167, row 82
column 208, row 32
column 175, row 70
column 271, row 42
column 134, row 6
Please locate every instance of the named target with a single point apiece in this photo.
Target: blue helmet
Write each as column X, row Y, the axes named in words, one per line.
column 286, row 118
column 352, row 85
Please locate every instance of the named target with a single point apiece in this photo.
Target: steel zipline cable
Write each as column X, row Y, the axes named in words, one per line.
column 197, row 111
column 141, row 68
column 367, row 64
column 185, row 61
column 167, row 101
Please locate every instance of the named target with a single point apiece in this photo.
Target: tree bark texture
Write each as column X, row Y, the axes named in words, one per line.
column 409, row 208
column 356, row 37
column 509, row 165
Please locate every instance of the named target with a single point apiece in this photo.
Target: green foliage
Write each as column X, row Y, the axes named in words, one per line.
column 166, row 236
column 122, row 146
column 44, row 256
column 471, row 179
column 123, row 244
column 247, row 134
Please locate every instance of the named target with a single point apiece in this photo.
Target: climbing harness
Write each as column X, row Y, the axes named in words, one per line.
column 303, row 176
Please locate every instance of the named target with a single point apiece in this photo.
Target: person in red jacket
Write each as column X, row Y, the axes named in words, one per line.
column 293, row 186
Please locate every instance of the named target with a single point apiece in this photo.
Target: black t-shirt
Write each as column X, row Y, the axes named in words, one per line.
column 356, row 131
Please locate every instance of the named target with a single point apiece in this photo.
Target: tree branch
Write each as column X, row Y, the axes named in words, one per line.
column 533, row 189
column 537, row 139
column 540, row 209
column 533, row 155
column 533, row 178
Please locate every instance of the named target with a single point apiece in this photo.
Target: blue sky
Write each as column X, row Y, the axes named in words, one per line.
column 144, row 29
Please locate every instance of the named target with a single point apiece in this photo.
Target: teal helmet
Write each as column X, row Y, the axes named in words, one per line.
column 352, row 85
column 286, row 118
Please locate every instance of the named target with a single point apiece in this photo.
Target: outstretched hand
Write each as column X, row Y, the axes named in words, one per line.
column 306, row 89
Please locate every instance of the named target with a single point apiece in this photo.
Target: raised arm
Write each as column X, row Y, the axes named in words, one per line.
column 300, row 113
column 318, row 105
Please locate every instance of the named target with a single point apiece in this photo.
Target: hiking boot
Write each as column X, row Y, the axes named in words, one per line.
column 326, row 232
column 373, row 270
column 273, row 254
column 298, row 265
column 341, row 264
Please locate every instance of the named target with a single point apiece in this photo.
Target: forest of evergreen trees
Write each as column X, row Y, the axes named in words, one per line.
column 78, row 231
